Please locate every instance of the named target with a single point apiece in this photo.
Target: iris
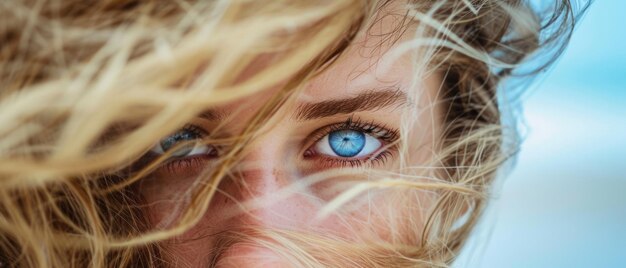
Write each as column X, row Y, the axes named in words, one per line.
column 192, row 137
column 346, row 143
column 178, row 137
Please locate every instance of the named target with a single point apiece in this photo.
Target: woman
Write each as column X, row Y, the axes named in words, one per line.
column 255, row 133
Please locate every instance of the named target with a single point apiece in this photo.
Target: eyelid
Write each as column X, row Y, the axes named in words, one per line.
column 386, row 135
column 199, row 132
column 196, row 129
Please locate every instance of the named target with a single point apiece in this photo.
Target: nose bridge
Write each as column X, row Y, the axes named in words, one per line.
column 266, row 182
column 263, row 165
column 256, row 178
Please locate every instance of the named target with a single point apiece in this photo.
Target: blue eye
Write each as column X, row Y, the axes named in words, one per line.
column 184, row 135
column 347, row 143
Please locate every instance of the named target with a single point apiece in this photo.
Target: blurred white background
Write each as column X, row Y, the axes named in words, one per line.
column 564, row 204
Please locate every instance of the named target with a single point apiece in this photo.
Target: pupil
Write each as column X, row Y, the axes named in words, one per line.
column 346, row 143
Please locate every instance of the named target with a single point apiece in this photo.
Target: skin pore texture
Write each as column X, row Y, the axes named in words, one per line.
column 267, row 189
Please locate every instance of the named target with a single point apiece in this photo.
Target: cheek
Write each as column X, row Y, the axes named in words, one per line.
column 166, row 195
column 377, row 214
column 389, row 215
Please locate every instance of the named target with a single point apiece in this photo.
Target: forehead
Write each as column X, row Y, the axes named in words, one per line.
column 369, row 63
column 353, row 74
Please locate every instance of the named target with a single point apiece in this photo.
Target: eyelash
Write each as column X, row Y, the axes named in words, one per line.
column 195, row 130
column 385, row 134
column 174, row 164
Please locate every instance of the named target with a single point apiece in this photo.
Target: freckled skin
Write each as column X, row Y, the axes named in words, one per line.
column 273, row 159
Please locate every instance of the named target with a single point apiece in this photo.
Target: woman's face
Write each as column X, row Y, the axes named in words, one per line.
column 349, row 117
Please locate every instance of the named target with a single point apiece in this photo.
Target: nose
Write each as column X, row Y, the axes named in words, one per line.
column 240, row 255
column 269, row 196
column 269, row 190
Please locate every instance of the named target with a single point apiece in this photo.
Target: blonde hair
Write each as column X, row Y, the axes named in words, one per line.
column 87, row 87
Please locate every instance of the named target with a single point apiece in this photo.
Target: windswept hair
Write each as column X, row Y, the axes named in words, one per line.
column 88, row 86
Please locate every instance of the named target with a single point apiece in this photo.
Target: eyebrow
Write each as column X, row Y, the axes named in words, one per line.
column 366, row 101
column 213, row 115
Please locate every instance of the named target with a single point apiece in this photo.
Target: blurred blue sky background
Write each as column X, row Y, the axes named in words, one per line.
column 564, row 204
